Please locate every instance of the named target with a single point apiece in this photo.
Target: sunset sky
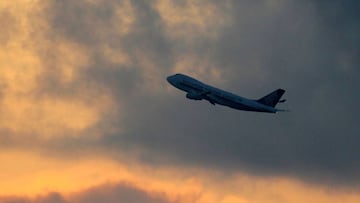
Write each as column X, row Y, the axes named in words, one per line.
column 87, row 116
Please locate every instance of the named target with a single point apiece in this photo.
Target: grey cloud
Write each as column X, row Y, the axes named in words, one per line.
column 119, row 193
column 116, row 193
column 93, row 26
column 302, row 47
column 80, row 21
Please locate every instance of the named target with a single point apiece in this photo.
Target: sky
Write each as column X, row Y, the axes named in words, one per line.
column 86, row 113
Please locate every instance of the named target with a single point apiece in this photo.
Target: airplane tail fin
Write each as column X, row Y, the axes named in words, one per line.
column 273, row 98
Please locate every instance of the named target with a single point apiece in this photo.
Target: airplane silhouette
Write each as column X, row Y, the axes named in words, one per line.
column 197, row 90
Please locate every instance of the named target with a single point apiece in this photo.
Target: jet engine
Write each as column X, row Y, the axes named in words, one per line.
column 194, row 96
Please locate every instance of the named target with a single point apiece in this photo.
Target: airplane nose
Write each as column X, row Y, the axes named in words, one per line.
column 170, row 79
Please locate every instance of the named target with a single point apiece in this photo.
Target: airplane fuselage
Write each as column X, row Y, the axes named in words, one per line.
column 197, row 90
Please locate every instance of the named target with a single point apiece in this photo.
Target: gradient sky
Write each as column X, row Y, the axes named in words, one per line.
column 86, row 113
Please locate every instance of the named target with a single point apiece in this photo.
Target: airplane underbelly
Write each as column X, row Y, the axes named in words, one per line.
column 240, row 106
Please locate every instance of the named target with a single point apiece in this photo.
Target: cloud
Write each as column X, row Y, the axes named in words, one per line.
column 88, row 179
column 50, row 198
column 116, row 193
column 104, row 193
column 189, row 19
column 39, row 97
column 266, row 46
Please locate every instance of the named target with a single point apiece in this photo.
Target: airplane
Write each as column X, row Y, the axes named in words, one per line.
column 197, row 90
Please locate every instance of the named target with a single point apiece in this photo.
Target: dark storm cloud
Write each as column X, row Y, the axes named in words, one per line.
column 308, row 48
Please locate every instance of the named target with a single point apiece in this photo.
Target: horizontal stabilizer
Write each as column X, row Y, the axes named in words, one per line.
column 273, row 98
